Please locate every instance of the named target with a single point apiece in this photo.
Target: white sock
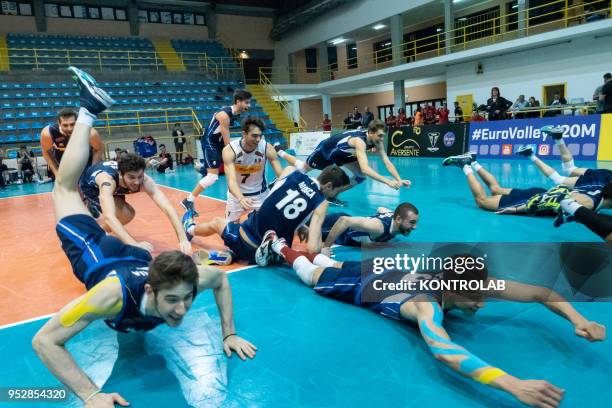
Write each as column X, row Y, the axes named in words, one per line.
column 560, row 142
column 278, row 245
column 476, row 166
column 467, row 170
column 568, row 167
column 85, row 117
column 190, row 197
column 324, row 261
column 532, row 157
column 281, row 153
column 304, row 269
column 557, row 178
column 570, row 205
column 191, row 229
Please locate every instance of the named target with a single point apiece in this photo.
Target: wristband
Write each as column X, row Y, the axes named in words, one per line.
column 93, row 394
column 229, row 335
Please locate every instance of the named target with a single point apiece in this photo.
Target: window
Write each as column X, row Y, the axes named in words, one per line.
column 479, row 25
column 383, row 51
column 79, row 11
column 311, row 60
column 166, row 17
column 65, row 11
column 121, row 14
column 200, row 20
column 154, row 16
column 177, row 18
column 94, row 13
column 188, row 18
column 332, row 58
column 12, row 8
column 51, row 10
column 351, row 55
column 107, row 13
column 427, row 39
column 25, row 9
column 543, row 11
column 512, row 16
column 143, row 16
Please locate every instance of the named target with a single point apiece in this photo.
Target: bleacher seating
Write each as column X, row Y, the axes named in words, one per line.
column 212, row 49
column 25, row 108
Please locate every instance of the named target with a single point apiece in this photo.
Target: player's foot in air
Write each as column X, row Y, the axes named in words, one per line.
column 459, row 160
column 189, row 206
column 92, row 97
column 188, row 223
column 556, row 132
column 525, row 150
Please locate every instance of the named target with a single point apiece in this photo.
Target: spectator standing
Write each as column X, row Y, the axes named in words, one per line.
column 391, row 120
column 429, row 114
column 418, row 117
column 3, row 168
column 401, row 120
column 606, row 94
column 348, row 121
column 327, row 123
column 25, row 165
column 179, row 142
column 367, row 118
column 356, row 118
column 497, row 105
column 443, row 113
column 458, row 113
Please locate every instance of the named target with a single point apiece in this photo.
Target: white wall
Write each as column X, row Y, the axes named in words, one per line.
column 580, row 64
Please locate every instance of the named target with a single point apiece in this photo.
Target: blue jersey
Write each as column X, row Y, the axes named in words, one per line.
column 289, row 205
column 212, row 135
column 337, row 150
column 351, row 237
column 88, row 184
column 592, row 183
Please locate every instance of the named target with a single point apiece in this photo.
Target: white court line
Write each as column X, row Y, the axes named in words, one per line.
column 25, row 195
column 33, row 319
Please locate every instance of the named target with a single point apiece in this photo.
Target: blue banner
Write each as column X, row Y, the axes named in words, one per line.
column 501, row 139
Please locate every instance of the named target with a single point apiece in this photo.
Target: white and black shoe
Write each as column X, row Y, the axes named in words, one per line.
column 264, row 253
column 525, row 150
column 459, row 160
column 92, row 98
column 556, row 132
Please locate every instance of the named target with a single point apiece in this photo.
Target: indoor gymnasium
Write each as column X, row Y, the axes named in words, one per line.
column 293, row 203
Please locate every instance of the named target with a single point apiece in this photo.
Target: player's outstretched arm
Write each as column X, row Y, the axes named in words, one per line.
column 364, row 166
column 160, row 199
column 103, row 301
column 380, row 147
column 519, row 292
column 429, row 316
column 371, row 226
column 314, row 230
column 216, row 279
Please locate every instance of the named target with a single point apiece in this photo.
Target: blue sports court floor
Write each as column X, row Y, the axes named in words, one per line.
column 317, row 352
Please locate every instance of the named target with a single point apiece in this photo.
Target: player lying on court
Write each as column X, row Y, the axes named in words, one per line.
column 244, row 161
column 125, row 287
column 104, row 187
column 600, row 224
column 55, row 137
column 215, row 138
column 343, row 281
column 532, row 201
column 294, row 199
column 343, row 229
column 588, row 182
column 349, row 149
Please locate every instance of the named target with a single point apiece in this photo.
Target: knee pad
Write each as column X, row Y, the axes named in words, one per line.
column 557, row 178
column 568, row 167
column 208, row 180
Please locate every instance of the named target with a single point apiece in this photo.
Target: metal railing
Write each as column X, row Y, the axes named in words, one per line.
column 554, row 15
column 283, row 103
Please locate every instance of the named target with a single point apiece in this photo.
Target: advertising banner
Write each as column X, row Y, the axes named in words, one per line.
column 500, row 139
column 304, row 143
column 427, row 141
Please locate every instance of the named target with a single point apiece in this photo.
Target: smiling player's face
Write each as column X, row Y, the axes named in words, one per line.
column 173, row 304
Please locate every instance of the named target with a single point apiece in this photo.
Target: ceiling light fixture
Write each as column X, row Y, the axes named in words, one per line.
column 379, row 26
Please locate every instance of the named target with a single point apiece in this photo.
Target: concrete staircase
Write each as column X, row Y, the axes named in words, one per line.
column 168, row 54
column 4, row 57
column 280, row 118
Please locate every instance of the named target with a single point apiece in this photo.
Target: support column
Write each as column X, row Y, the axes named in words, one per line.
column 522, row 17
column 323, row 61
column 326, row 99
column 38, row 7
column 399, row 95
column 397, row 38
column 132, row 15
column 449, row 25
column 211, row 22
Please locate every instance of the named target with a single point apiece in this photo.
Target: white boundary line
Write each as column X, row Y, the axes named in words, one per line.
column 25, row 195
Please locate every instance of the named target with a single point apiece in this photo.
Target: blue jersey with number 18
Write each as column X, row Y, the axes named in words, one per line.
column 289, row 204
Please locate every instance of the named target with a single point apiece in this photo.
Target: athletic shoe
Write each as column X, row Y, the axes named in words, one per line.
column 556, row 132
column 92, row 98
column 264, row 252
column 212, row 257
column 188, row 222
column 189, row 206
column 338, row 203
column 562, row 218
column 550, row 201
column 459, row 160
column 525, row 150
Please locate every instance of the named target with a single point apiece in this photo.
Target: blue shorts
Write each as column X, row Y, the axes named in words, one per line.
column 318, row 160
column 90, row 250
column 518, row 197
column 232, row 239
column 212, row 155
column 594, row 178
column 345, row 285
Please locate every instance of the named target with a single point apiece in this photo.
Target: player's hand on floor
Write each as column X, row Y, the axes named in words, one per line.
column 246, row 203
column 240, row 346
column 145, row 245
column 186, row 247
column 405, row 183
column 592, row 331
column 394, row 184
column 537, row 393
column 102, row 400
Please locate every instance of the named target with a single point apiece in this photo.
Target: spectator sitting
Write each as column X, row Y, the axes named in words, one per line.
column 591, row 15
column 356, row 118
column 418, row 117
column 163, row 162
column 25, row 168
column 606, row 93
column 348, row 121
column 497, row 105
column 520, row 103
column 3, row 168
column 401, row 120
column 367, row 118
column 327, row 124
column 391, row 120
column 458, row 113
column 557, row 101
column 429, row 114
column 599, row 105
column 533, row 103
column 443, row 113
column 179, row 142
column 476, row 117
